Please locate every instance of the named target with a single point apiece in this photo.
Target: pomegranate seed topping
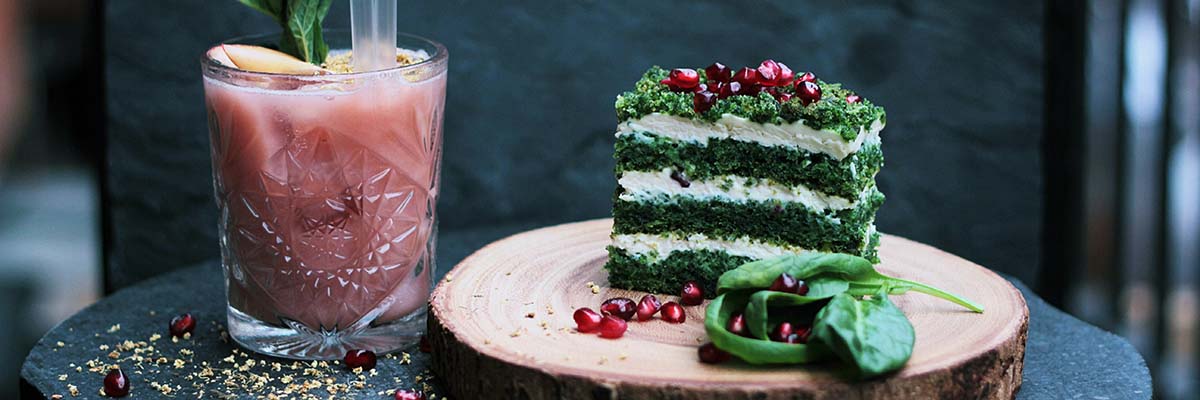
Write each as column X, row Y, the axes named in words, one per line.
column 586, row 320
column 116, row 384
column 768, row 73
column 621, row 307
column 686, row 78
column 710, row 354
column 785, row 75
column 364, row 359
column 680, row 178
column 802, row 288
column 729, row 89
column 647, row 307
column 784, row 283
column 703, row 101
column 781, row 332
column 667, row 81
column 424, row 344
column 673, row 312
column 718, row 72
column 182, row 324
column 746, row 76
column 783, row 97
column 612, row 327
column 737, row 325
column 808, row 92
column 691, row 294
column 409, row 395
column 853, row 99
column 807, row 77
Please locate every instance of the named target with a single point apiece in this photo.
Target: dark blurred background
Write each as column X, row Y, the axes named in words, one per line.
column 1057, row 142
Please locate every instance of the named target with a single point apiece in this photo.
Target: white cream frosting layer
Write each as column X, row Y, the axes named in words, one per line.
column 661, row 246
column 793, row 135
column 645, row 185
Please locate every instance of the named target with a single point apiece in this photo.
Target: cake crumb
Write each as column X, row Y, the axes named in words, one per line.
column 73, row 390
column 530, row 314
column 155, row 337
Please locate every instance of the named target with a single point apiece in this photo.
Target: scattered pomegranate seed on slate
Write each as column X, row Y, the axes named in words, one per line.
column 746, row 76
column 647, row 307
column 409, row 395
column 801, row 288
column 182, row 324
column 621, row 307
column 781, row 332
column 729, row 89
column 364, row 359
column 710, row 354
column 691, row 294
column 686, row 78
column 768, row 73
column 703, row 101
column 807, row 77
column 718, row 72
column 785, row 75
column 673, row 312
column 586, row 320
column 784, row 283
column 423, row 345
column 808, row 92
column 681, row 178
column 737, row 325
column 853, row 99
column 116, row 384
column 612, row 327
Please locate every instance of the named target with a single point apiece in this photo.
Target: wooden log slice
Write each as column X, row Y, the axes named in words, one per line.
column 501, row 327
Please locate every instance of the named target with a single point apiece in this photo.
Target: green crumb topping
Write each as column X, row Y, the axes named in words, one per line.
column 832, row 112
column 774, row 222
column 846, row 178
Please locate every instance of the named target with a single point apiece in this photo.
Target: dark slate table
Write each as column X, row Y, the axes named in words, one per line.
column 1065, row 357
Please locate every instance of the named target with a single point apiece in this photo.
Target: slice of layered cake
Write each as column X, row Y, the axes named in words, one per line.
column 717, row 167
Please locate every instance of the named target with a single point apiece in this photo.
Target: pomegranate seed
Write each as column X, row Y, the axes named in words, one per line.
column 621, row 307
column 612, row 327
column 666, row 81
column 785, row 75
column 807, row 77
column 718, row 72
column 853, row 99
column 783, row 97
column 182, row 324
column 784, row 283
column 768, row 73
column 710, row 354
column 586, row 320
column 409, row 395
column 673, row 312
column 729, row 89
column 808, row 92
column 647, row 307
column 680, row 178
column 801, row 333
column 700, row 88
column 691, row 294
column 364, row 359
column 703, row 101
column 781, row 332
column 737, row 325
column 686, row 78
column 746, row 76
column 424, row 344
column 116, row 384
column 802, row 288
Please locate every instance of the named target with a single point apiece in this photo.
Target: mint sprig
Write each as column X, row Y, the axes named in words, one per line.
column 301, row 22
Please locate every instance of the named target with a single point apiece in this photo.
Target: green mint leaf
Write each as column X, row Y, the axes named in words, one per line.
column 872, row 334
column 304, row 18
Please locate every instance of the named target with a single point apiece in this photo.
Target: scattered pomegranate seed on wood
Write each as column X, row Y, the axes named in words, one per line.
column 621, row 307
column 612, row 327
column 586, row 320
column 691, row 294
column 673, row 312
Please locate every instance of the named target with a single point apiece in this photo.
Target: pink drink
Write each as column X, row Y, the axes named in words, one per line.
column 327, row 187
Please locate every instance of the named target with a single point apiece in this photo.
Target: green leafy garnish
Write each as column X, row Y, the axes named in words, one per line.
column 301, row 22
column 854, row 320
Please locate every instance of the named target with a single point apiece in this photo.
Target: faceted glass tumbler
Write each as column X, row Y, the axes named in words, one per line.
column 327, row 187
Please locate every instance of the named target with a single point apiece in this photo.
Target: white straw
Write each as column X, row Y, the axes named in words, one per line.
column 373, row 34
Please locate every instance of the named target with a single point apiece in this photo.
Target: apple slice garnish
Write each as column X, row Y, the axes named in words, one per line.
column 262, row 59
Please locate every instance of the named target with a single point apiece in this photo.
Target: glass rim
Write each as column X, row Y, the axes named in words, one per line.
column 439, row 55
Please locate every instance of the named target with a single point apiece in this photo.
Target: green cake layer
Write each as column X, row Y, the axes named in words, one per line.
column 643, row 272
column 770, row 222
column 845, row 178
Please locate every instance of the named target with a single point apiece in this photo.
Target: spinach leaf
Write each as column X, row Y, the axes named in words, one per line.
column 756, row 312
column 751, row 350
column 301, row 22
column 871, row 334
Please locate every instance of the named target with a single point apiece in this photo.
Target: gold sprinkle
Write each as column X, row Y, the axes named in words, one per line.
column 114, row 355
column 114, row 328
column 595, row 290
column 60, row 344
column 62, row 377
column 73, row 390
column 155, row 337
column 103, row 347
column 515, row 333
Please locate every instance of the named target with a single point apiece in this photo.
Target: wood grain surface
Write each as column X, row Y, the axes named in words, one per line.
column 500, row 327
